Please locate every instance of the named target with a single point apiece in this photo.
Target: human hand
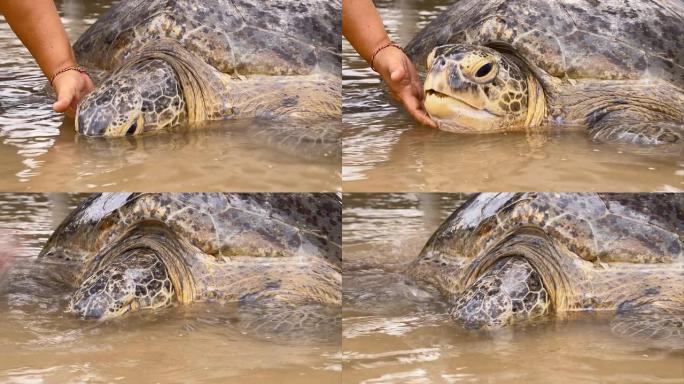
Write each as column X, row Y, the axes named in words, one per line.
column 70, row 87
column 398, row 72
column 6, row 258
column 5, row 261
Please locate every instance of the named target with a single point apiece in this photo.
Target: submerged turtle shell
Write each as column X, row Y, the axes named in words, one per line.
column 577, row 39
column 275, row 37
column 219, row 225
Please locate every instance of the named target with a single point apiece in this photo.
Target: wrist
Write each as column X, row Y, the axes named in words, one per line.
column 385, row 56
column 64, row 71
column 59, row 65
column 373, row 44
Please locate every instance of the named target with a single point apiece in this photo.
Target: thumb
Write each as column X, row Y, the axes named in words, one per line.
column 397, row 74
column 63, row 101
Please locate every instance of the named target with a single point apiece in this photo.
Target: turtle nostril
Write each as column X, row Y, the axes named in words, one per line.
column 484, row 70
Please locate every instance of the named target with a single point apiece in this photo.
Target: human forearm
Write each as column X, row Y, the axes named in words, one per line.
column 362, row 26
column 37, row 24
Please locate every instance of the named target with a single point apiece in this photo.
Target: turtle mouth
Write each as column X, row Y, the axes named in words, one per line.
column 456, row 114
column 431, row 93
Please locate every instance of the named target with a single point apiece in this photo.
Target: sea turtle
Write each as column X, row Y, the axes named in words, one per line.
column 615, row 68
column 126, row 252
column 177, row 61
column 513, row 257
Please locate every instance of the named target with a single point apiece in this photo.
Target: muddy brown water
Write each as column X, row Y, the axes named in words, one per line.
column 40, row 343
column 385, row 151
column 397, row 332
column 39, row 150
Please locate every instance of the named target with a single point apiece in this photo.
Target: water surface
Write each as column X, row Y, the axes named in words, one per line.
column 397, row 332
column 384, row 150
column 40, row 343
column 39, row 150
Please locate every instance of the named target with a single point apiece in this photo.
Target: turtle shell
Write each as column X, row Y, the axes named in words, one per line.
column 275, row 37
column 219, row 225
column 576, row 39
column 634, row 228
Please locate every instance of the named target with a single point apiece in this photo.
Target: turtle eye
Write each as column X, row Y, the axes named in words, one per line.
column 484, row 70
column 131, row 130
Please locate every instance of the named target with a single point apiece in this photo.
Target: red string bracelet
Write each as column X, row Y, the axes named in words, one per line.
column 380, row 49
column 76, row 68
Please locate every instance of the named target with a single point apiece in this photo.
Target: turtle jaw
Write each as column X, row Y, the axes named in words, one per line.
column 131, row 127
column 456, row 115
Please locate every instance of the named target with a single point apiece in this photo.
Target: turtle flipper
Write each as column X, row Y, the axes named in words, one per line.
column 309, row 139
column 634, row 113
column 278, row 319
column 631, row 128
column 653, row 326
column 510, row 291
column 656, row 320
column 137, row 280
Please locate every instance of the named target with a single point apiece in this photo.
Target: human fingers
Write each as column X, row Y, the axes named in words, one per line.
column 414, row 107
column 64, row 99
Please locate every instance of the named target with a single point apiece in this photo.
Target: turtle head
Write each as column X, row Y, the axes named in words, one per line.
column 511, row 291
column 136, row 280
column 474, row 89
column 142, row 97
